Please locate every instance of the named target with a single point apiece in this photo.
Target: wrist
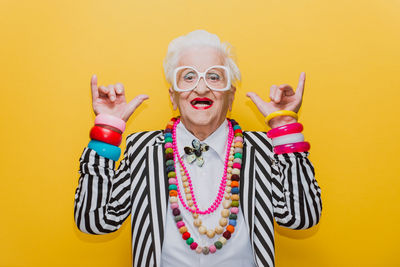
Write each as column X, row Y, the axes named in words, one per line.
column 281, row 120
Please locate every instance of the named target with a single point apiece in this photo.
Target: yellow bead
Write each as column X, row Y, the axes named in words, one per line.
column 226, row 204
column 236, row 171
column 228, row 189
column 227, row 195
column 190, row 203
column 188, row 196
column 202, row 230
column 183, row 229
column 195, row 215
column 210, row 233
column 219, row 230
column 231, row 158
column 187, row 190
column 228, row 182
column 222, row 240
column 225, row 213
column 229, row 169
column 223, row 222
column 186, row 184
column 230, row 163
column 184, row 178
column 197, row 222
column 173, row 199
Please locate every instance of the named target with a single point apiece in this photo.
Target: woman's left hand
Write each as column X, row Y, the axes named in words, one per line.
column 282, row 98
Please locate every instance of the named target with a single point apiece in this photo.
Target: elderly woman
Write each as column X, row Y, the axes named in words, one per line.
column 201, row 192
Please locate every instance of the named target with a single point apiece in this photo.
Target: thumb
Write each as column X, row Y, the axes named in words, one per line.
column 135, row 103
column 258, row 102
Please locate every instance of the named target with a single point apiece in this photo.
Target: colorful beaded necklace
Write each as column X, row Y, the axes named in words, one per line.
column 232, row 177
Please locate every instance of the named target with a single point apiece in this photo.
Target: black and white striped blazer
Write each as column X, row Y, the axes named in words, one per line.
column 271, row 186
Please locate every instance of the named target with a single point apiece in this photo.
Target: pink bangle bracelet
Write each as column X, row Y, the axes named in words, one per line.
column 294, row 147
column 285, row 129
column 110, row 120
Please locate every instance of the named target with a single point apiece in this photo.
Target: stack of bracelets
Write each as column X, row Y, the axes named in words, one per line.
column 287, row 138
column 105, row 141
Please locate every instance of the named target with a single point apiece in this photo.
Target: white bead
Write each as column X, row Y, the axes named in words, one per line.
column 173, row 199
column 197, row 222
column 228, row 189
column 199, row 249
column 222, row 240
column 187, row 190
column 228, row 182
column 184, row 178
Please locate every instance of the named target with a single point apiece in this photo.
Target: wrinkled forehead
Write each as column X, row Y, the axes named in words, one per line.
column 200, row 57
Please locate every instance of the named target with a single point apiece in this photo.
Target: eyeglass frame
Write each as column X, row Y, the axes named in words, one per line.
column 202, row 75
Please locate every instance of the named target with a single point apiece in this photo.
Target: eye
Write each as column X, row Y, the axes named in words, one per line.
column 213, row 77
column 190, row 76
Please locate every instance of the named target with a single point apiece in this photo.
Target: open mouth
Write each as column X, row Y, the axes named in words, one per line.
column 201, row 103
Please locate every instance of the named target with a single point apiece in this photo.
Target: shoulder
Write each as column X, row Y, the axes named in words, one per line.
column 143, row 139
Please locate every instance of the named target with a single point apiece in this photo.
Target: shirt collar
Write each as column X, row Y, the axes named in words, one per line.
column 216, row 140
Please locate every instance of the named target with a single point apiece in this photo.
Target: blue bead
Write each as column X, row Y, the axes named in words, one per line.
column 105, row 150
column 170, row 168
column 235, row 190
column 168, row 135
column 236, row 127
column 232, row 222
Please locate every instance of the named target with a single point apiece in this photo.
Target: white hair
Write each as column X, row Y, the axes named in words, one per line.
column 195, row 39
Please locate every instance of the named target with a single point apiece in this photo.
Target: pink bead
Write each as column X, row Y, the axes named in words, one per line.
column 172, row 181
column 193, row 246
column 238, row 139
column 285, row 129
column 293, row 147
column 180, row 224
column 234, row 210
column 212, row 249
column 236, row 165
column 168, row 145
column 174, row 205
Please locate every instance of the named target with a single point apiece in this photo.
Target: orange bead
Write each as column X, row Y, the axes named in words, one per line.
column 234, row 184
column 230, row 228
column 173, row 193
column 235, row 197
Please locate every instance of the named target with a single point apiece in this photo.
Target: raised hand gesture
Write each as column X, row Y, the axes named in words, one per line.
column 111, row 100
column 282, row 98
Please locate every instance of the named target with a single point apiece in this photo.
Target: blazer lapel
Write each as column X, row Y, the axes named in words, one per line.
column 158, row 195
column 247, row 187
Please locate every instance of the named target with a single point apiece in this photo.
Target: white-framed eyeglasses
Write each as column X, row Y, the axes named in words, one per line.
column 217, row 78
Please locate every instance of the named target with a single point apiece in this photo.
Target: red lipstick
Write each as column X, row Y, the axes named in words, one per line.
column 201, row 103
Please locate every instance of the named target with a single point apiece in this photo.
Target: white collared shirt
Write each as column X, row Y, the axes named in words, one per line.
column 206, row 181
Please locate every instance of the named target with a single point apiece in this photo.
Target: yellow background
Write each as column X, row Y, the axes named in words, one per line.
column 350, row 51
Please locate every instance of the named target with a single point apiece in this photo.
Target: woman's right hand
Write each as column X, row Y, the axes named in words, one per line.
column 111, row 100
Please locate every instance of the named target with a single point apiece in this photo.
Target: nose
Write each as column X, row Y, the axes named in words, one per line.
column 201, row 87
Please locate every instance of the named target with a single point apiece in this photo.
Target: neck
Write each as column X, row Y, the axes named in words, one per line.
column 201, row 131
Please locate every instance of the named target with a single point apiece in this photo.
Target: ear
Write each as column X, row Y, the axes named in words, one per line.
column 232, row 92
column 172, row 97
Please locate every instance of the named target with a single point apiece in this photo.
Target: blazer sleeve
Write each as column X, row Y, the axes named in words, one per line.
column 103, row 196
column 296, row 193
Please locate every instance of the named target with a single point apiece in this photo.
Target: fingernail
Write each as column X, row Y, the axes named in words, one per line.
column 118, row 91
column 112, row 98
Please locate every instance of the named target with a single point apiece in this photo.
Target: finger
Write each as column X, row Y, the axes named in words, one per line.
column 135, row 103
column 93, row 86
column 272, row 92
column 119, row 88
column 300, row 86
column 286, row 89
column 103, row 91
column 257, row 101
column 111, row 92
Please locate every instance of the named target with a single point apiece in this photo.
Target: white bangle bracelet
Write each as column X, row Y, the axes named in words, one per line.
column 287, row 139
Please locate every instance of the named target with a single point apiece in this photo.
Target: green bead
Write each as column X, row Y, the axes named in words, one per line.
column 178, row 218
column 237, row 155
column 169, row 150
column 172, row 187
column 170, row 162
column 238, row 134
column 168, row 140
column 189, row 241
column 218, row 244
column 171, row 175
column 235, row 203
column 233, row 216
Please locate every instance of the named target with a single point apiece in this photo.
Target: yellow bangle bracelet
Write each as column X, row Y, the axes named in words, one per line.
column 281, row 113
